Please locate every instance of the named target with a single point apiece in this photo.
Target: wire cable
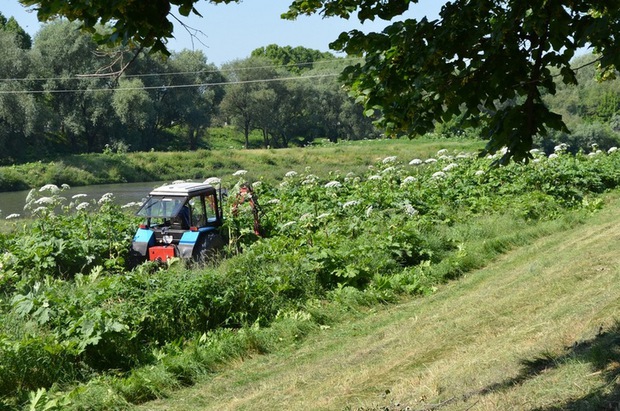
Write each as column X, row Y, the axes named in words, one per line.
column 177, row 73
column 167, row 87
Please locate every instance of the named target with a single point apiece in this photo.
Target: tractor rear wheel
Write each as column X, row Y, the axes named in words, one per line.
column 209, row 248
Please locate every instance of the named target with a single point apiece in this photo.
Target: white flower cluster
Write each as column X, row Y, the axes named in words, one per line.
column 409, row 180
column 415, row 162
column 560, row 148
column 374, row 177
column 7, row 259
column 239, row 173
column 410, row 210
column 40, row 210
column 350, row 177
column 79, row 196
column 291, row 174
column 107, row 197
column 82, row 206
column 310, row 179
column 351, row 203
column 212, row 181
column 12, row 216
column 438, row 175
column 333, row 184
column 52, row 188
column 389, row 159
column 450, row 166
column 44, row 200
column 286, row 225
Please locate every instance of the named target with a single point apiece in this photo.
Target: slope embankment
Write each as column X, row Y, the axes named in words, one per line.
column 538, row 329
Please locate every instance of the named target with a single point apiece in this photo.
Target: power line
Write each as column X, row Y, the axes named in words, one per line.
column 178, row 73
column 167, row 87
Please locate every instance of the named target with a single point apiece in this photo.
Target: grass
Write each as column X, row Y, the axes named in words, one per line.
column 537, row 329
column 262, row 164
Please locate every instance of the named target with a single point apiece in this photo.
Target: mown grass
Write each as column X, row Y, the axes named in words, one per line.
column 537, row 329
column 262, row 164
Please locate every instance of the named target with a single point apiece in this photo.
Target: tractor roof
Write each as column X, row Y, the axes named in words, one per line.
column 183, row 189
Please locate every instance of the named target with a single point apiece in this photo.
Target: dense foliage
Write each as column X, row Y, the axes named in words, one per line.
column 489, row 61
column 71, row 313
column 65, row 95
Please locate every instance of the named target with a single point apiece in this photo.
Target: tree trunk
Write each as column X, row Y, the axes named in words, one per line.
column 266, row 137
column 192, row 136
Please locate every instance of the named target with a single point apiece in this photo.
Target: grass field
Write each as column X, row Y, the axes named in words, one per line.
column 537, row 329
column 261, row 164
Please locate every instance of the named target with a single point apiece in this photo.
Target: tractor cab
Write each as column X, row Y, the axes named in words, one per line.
column 180, row 220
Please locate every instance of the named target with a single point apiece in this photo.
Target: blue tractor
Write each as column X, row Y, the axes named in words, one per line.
column 180, row 220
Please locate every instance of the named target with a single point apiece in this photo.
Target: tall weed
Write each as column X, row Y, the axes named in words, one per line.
column 346, row 241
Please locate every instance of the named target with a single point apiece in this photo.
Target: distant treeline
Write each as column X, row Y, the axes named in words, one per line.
column 61, row 94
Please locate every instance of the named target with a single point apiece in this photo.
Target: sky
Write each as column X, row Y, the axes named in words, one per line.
column 231, row 31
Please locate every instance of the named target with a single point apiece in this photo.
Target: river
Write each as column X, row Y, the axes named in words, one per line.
column 13, row 202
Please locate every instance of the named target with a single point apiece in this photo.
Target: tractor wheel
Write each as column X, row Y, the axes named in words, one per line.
column 134, row 259
column 209, row 248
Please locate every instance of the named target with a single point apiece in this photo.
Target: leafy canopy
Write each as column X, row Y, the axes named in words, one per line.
column 148, row 23
column 489, row 61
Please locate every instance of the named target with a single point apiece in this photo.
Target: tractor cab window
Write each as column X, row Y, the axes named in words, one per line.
column 204, row 210
column 212, row 215
column 161, row 210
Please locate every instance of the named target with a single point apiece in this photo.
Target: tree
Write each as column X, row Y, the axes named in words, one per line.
column 195, row 92
column 79, row 105
column 296, row 60
column 147, row 23
column 247, row 94
column 23, row 39
column 488, row 60
column 335, row 114
column 19, row 115
column 136, row 110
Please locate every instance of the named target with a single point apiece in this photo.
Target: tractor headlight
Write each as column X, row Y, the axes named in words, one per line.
column 167, row 239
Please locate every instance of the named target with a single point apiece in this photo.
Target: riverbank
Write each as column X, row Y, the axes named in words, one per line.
column 262, row 164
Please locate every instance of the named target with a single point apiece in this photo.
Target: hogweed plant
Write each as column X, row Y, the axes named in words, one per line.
column 401, row 227
column 67, row 236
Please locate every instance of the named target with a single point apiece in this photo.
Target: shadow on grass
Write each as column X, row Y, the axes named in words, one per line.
column 602, row 352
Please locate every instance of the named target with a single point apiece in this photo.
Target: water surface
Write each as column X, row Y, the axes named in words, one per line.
column 13, row 202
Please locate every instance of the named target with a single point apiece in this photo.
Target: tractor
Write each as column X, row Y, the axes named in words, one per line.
column 181, row 220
